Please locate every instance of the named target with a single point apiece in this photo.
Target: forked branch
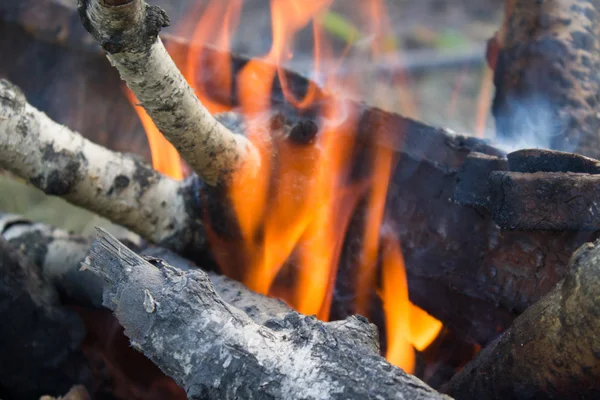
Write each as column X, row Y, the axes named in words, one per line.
column 128, row 31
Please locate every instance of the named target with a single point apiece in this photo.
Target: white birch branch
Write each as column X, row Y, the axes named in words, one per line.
column 114, row 185
column 128, row 31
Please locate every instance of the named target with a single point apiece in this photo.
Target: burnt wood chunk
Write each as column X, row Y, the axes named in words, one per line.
column 551, row 351
column 472, row 179
column 542, row 160
column 39, row 339
column 545, row 201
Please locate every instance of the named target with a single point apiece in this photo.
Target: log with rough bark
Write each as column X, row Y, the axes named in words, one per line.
column 551, row 350
column 62, row 163
column 39, row 338
column 545, row 75
column 214, row 350
column 128, row 31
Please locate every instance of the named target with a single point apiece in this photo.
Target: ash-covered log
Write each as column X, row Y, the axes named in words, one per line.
column 551, row 350
column 39, row 338
column 164, row 310
column 545, row 75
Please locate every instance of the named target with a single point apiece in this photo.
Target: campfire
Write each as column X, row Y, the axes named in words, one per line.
column 282, row 238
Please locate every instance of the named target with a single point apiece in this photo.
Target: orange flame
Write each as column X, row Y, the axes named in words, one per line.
column 165, row 159
column 294, row 213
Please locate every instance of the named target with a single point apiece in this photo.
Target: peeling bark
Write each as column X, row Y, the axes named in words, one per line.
column 62, row 163
column 164, row 310
column 128, row 33
column 551, row 350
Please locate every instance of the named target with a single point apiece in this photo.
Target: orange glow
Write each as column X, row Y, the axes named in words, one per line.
column 165, row 159
column 294, row 214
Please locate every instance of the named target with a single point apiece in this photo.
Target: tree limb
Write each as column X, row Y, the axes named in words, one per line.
column 60, row 162
column 128, row 31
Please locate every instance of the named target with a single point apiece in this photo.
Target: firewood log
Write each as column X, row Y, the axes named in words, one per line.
column 551, row 350
column 215, row 350
column 545, row 75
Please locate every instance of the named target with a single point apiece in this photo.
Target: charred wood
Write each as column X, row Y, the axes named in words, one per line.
column 164, row 309
column 39, row 339
column 545, row 201
column 545, row 75
column 58, row 255
column 551, row 350
column 541, row 160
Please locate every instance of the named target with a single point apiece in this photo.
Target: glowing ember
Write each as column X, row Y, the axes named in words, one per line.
column 294, row 215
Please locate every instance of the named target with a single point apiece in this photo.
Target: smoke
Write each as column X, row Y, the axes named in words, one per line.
column 528, row 122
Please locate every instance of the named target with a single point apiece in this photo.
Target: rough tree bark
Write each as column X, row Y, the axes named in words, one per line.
column 128, row 31
column 164, row 309
column 39, row 339
column 62, row 163
column 546, row 75
column 551, row 350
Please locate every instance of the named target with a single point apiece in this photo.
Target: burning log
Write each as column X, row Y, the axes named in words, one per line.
column 164, row 310
column 551, row 350
column 128, row 31
column 477, row 276
column 39, row 340
column 61, row 162
column 545, row 75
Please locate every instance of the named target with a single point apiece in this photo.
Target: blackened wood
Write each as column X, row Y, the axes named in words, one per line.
column 58, row 255
column 214, row 350
column 542, row 160
column 545, row 201
column 39, row 339
column 551, row 350
column 472, row 186
column 546, row 81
